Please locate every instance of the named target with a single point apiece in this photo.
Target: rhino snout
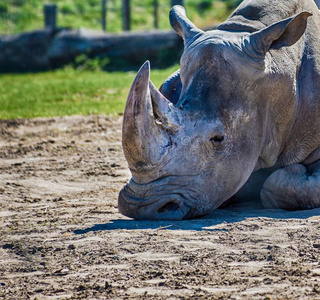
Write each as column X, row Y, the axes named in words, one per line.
column 163, row 208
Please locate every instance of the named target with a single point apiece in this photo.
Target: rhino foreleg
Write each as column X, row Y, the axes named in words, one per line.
column 293, row 187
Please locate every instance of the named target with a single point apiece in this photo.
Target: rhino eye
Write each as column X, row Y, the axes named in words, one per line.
column 217, row 140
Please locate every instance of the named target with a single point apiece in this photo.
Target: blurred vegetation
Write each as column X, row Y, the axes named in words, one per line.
column 82, row 90
column 23, row 15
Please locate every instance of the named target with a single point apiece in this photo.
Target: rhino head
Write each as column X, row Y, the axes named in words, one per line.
column 193, row 145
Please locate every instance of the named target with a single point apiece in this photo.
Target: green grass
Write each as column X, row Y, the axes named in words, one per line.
column 70, row 91
column 67, row 92
column 24, row 15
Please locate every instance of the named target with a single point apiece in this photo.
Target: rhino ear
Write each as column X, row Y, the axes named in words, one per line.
column 281, row 34
column 171, row 87
column 182, row 25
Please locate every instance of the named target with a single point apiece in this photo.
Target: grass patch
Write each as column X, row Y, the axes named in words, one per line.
column 67, row 92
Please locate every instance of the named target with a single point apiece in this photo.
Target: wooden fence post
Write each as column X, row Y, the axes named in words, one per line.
column 156, row 18
column 126, row 15
column 104, row 14
column 50, row 15
column 176, row 2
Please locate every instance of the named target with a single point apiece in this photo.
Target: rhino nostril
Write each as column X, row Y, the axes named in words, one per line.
column 217, row 138
column 170, row 206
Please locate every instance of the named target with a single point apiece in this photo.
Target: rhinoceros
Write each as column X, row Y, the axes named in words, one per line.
column 246, row 98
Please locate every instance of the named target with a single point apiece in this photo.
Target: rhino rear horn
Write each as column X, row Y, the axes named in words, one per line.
column 164, row 110
column 182, row 25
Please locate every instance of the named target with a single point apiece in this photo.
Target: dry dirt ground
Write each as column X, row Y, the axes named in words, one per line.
column 61, row 236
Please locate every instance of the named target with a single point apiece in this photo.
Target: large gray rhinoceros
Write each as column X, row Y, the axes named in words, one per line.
column 246, row 98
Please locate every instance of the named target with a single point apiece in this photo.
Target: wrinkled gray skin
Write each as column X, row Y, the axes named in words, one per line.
column 246, row 98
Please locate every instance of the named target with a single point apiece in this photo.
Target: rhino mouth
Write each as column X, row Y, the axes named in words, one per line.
column 164, row 208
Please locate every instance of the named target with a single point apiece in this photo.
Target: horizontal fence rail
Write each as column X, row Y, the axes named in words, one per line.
column 110, row 15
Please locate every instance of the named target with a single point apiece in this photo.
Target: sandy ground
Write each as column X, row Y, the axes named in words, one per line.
column 61, row 236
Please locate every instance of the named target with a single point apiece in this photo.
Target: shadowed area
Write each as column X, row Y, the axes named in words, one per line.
column 207, row 223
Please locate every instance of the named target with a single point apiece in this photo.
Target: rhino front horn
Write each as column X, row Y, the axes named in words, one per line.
column 148, row 119
column 182, row 25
